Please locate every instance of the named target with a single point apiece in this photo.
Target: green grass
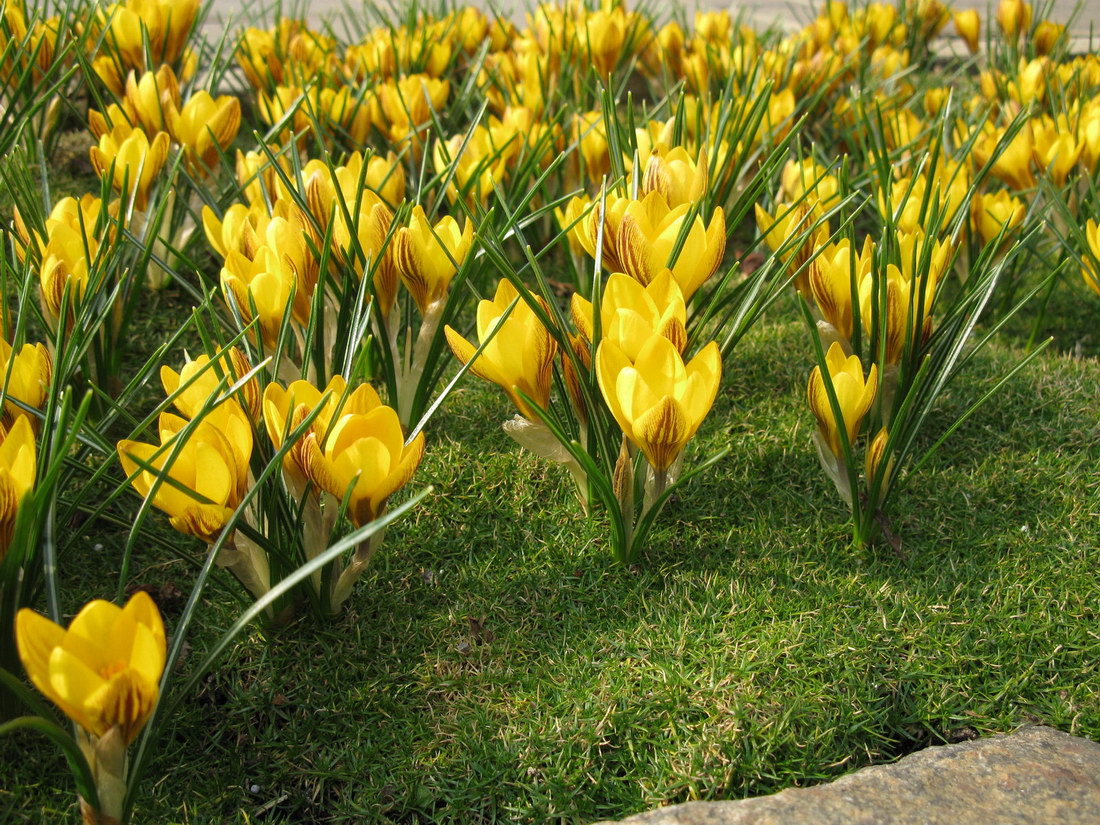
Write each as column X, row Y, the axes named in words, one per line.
column 496, row 665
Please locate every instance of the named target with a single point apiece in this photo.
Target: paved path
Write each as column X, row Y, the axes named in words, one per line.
column 791, row 13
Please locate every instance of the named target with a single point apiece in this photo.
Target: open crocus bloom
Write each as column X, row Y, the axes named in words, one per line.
column 657, row 399
column 103, row 671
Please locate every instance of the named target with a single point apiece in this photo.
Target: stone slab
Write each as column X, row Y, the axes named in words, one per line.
column 1036, row 776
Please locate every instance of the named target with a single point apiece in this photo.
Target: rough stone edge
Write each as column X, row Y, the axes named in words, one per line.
column 1037, row 733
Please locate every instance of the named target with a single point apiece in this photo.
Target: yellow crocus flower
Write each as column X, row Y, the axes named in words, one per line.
column 906, row 309
column 832, row 278
column 204, row 127
column 284, row 411
column 676, row 175
column 519, row 358
column 912, row 249
column 1055, row 150
column 604, row 36
column 788, row 223
column 258, row 176
column 968, row 26
column 148, row 96
column 197, row 382
column 27, row 374
column 658, row 400
column 647, row 237
column 991, row 213
column 590, row 134
column 74, row 232
column 427, row 257
column 132, row 159
column 228, row 233
column 162, row 24
column 407, row 105
column 104, row 670
column 18, row 468
column 204, row 378
column 207, row 471
column 261, row 288
column 630, row 312
column 1090, row 271
column 1046, row 37
column 713, row 26
column 1014, row 18
column 854, row 394
column 364, row 457
column 809, row 178
column 385, row 175
column 586, row 227
column 1013, row 165
column 370, row 220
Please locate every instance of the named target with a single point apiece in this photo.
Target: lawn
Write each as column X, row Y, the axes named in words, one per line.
column 261, row 295
column 495, row 665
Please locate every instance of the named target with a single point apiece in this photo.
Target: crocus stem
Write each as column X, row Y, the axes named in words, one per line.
column 355, row 567
column 408, row 380
column 655, row 485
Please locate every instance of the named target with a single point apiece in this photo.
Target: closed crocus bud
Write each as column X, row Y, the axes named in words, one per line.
column 108, row 70
column 1091, row 271
column 258, row 175
column 1014, row 18
column 875, row 452
column 603, row 36
column 74, row 232
column 713, row 26
column 676, row 175
column 204, row 127
column 520, row 356
column 147, row 97
column 206, row 471
column 131, row 159
column 997, row 212
column 658, row 400
column 25, row 379
column 630, row 313
column 854, row 395
column 1046, row 37
column 364, row 458
column 905, row 311
column 427, row 256
column 18, row 464
column 611, row 211
column 285, row 410
column 968, row 25
column 835, row 276
column 590, row 134
column 647, row 239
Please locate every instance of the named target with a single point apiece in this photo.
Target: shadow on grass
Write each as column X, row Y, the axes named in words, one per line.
column 497, row 665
